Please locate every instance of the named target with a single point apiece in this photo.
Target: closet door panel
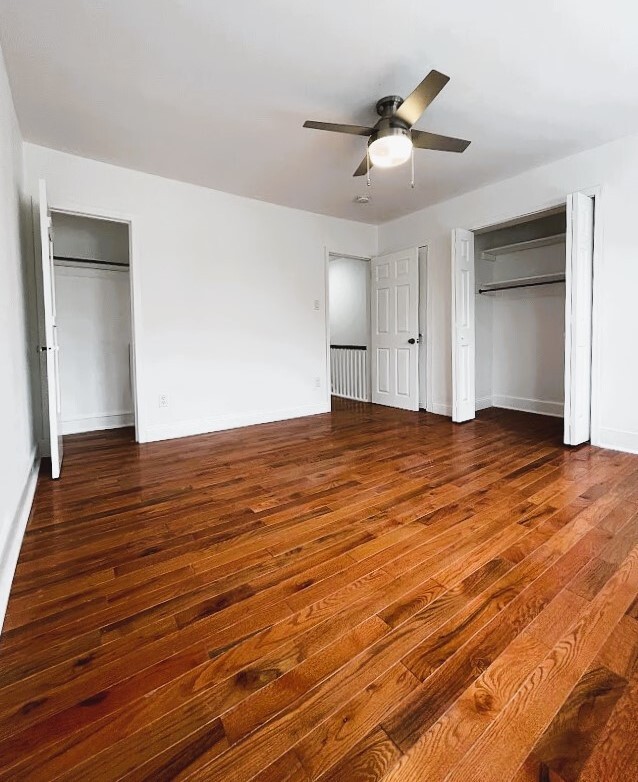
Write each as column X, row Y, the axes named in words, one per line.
column 578, row 318
column 463, row 326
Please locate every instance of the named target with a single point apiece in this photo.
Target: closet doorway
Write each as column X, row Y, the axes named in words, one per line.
column 86, row 322
column 91, row 263
column 522, row 316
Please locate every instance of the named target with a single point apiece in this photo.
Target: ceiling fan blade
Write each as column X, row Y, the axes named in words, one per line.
column 363, row 167
column 418, row 100
column 421, row 139
column 335, row 127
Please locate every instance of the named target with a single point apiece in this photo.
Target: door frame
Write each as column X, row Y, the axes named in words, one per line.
column 426, row 352
column 81, row 210
column 426, row 330
column 597, row 194
column 335, row 254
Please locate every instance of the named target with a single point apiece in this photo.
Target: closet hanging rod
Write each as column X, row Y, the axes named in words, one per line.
column 89, row 260
column 522, row 282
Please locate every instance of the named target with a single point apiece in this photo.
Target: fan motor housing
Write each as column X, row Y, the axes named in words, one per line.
column 388, row 105
column 389, row 125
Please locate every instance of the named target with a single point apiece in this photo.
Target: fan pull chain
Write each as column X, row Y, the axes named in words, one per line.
column 368, row 165
column 412, row 164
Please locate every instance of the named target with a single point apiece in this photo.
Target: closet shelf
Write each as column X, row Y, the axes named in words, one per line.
column 522, row 282
column 491, row 253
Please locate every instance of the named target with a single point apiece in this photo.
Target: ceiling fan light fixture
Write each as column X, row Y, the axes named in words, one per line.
column 392, row 140
column 390, row 148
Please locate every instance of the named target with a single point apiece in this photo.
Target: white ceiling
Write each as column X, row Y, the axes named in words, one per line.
column 215, row 93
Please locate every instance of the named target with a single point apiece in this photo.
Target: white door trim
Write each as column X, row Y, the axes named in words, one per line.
column 597, row 194
column 578, row 318
column 534, row 211
column 83, row 210
column 426, row 329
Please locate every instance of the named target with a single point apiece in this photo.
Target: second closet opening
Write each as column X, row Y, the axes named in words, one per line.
column 520, row 314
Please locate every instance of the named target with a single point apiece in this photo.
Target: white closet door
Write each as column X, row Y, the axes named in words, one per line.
column 463, row 336
column 49, row 361
column 395, row 329
column 578, row 317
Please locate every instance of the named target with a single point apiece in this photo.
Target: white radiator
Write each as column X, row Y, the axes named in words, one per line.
column 349, row 372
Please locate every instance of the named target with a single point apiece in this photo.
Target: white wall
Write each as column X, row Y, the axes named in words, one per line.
column 93, row 312
column 348, row 291
column 528, row 349
column 225, row 288
column 613, row 167
column 17, row 444
column 80, row 237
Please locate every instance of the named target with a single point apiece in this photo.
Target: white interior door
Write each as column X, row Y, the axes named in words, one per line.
column 463, row 337
column 49, row 353
column 395, row 329
column 578, row 317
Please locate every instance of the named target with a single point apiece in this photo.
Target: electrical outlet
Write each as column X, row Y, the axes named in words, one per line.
column 163, row 400
column 317, row 305
column 317, row 382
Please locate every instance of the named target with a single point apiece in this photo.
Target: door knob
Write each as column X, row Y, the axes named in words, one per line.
column 412, row 341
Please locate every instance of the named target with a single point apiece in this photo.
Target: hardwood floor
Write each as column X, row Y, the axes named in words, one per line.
column 364, row 595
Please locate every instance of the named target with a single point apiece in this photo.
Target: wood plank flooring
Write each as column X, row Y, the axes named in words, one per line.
column 364, row 595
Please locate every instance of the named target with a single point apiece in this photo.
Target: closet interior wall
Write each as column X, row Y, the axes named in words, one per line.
column 93, row 309
column 520, row 329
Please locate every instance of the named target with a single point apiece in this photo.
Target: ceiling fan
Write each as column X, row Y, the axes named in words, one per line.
column 391, row 140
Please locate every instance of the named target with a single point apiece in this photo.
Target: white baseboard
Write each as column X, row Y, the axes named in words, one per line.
column 482, row 403
column 169, row 431
column 97, row 422
column 616, row 440
column 13, row 542
column 507, row 402
column 528, row 405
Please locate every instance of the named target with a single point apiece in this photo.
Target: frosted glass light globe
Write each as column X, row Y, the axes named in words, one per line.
column 389, row 151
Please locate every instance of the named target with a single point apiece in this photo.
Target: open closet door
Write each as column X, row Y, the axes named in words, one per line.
column 49, row 361
column 463, row 380
column 395, row 329
column 578, row 317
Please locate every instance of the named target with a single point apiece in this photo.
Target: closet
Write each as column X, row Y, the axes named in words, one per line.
column 519, row 305
column 93, row 311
